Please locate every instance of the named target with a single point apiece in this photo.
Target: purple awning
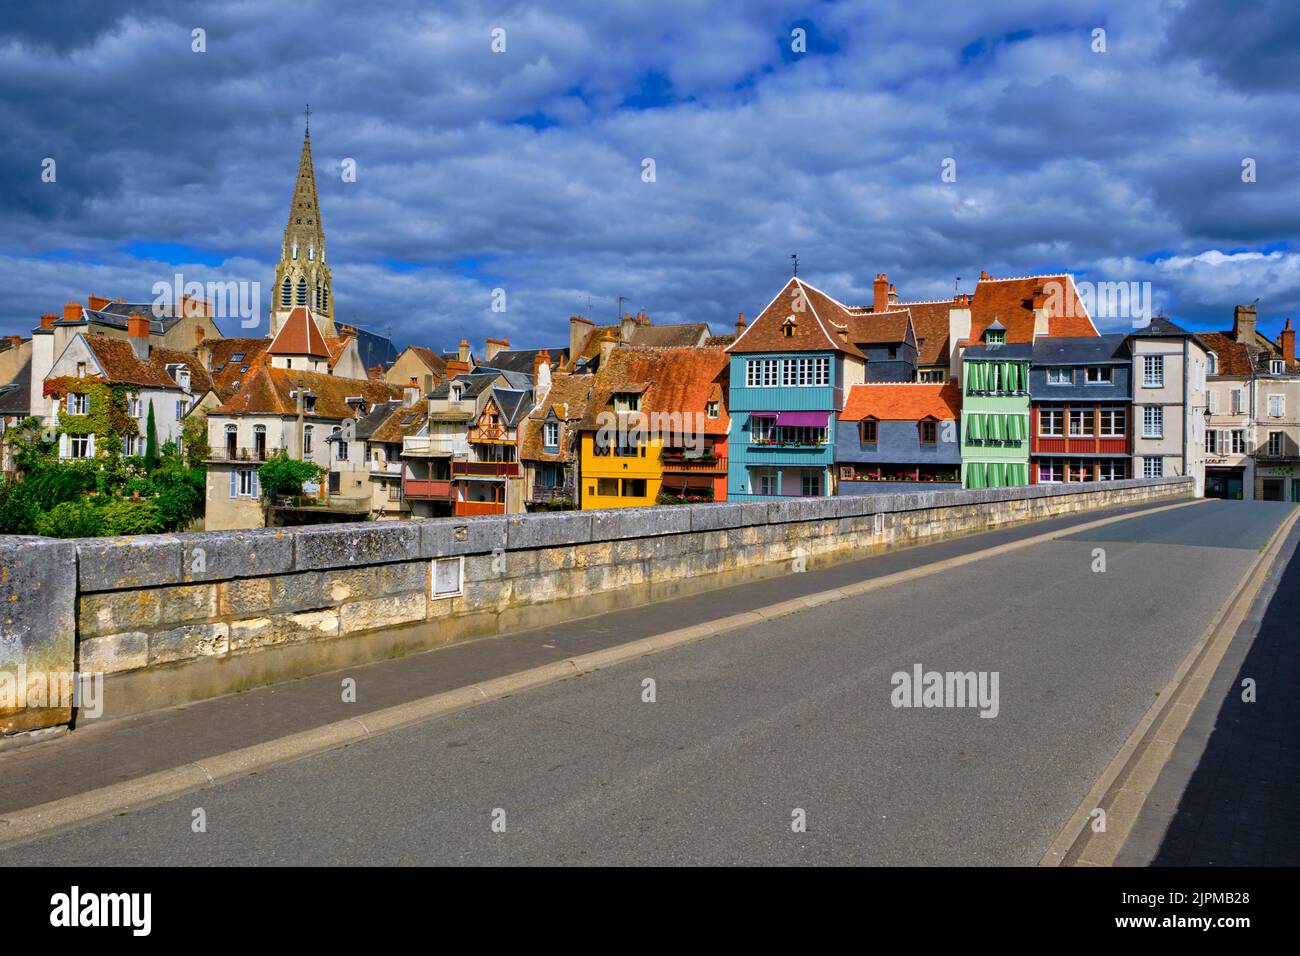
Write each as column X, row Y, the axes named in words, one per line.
column 803, row 419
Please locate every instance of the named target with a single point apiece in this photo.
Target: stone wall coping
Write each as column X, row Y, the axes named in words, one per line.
column 114, row 564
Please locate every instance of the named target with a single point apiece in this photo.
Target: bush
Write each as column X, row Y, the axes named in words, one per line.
column 124, row 516
column 18, row 510
column 71, row 519
column 284, row 475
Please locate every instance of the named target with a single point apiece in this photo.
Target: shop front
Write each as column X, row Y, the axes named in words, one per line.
column 1229, row 483
column 1278, row 482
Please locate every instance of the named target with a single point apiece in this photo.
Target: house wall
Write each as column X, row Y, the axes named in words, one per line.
column 898, row 443
column 1183, row 398
column 594, row 467
column 986, row 405
column 176, row 618
column 1277, row 474
column 1224, row 422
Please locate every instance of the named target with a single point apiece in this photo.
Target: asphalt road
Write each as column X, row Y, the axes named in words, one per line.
column 750, row 730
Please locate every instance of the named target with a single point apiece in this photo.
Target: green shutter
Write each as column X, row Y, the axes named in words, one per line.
column 974, row 426
column 995, row 474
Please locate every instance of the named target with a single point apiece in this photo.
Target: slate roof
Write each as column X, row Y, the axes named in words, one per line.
column 903, row 402
column 472, row 384
column 370, row 422
column 1008, row 352
column 930, row 323
column 15, row 397
column 1111, row 349
column 521, row 360
column 513, row 403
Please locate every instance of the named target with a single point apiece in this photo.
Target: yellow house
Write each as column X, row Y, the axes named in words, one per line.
column 623, row 472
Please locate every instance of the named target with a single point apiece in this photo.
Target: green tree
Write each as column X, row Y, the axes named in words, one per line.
column 283, row 475
column 194, row 438
column 71, row 519
column 150, row 441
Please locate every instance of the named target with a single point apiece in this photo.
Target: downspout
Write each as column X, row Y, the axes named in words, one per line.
column 1187, row 418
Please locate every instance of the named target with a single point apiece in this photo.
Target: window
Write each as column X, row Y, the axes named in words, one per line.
column 1212, row 441
column 929, row 433
column 627, row 402
column 761, row 430
column 78, row 404
column 1051, row 472
column 869, row 430
column 180, row 409
column 1212, row 363
column 713, row 409
column 79, row 446
column 607, row 487
column 1098, row 375
column 286, row 293
column 1153, row 371
column 81, row 370
column 133, row 406
column 1080, row 471
column 1276, row 406
column 811, row 484
column 1238, row 441
column 1153, row 421
column 1060, row 376
column 551, row 434
column 340, row 445
column 1082, row 422
column 243, row 483
column 306, row 439
column 1051, row 421
column 448, row 577
column 932, row 375
column 994, row 377
column 767, row 484
column 766, row 373
column 1110, row 469
column 893, row 353
column 1274, row 444
column 1112, row 423
column 787, row 327
column 127, row 444
column 1238, row 401
column 1153, row 467
column 1277, row 366
column 760, row 373
column 633, row 488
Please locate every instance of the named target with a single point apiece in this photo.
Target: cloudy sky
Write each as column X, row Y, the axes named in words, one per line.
column 525, row 170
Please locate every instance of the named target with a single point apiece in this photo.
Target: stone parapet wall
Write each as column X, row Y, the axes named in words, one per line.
column 174, row 618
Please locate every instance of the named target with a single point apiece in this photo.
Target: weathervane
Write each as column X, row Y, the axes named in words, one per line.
column 795, row 259
column 307, row 113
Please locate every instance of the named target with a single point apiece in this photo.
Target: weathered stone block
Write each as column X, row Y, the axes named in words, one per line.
column 446, row 537
column 188, row 602
column 114, row 564
column 352, row 545
column 624, row 523
column 301, row 591
column 729, row 514
column 404, row 577
column 114, row 653
column 266, row 631
column 548, row 530
column 38, row 593
column 220, row 555
column 110, row 612
column 385, row 612
column 188, row 642
column 244, row 596
column 351, row 584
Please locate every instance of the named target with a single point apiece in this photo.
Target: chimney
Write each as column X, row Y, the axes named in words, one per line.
column 959, row 325
column 72, row 312
column 96, row 302
column 579, row 328
column 542, row 369
column 494, row 346
column 626, row 327
column 880, row 294
column 203, row 353
column 412, row 392
column 740, row 324
column 48, row 320
column 137, row 329
column 893, row 295
column 1243, row 324
column 463, row 352
column 1287, row 343
column 1042, row 318
column 607, row 343
column 984, row 276
column 17, row 340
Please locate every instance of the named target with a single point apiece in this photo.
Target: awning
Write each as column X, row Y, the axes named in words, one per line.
column 763, row 414
column 803, row 419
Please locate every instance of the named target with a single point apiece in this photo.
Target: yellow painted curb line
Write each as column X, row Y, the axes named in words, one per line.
column 24, row 825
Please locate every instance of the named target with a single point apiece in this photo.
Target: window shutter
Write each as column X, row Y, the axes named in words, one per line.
column 257, row 491
column 90, row 445
column 1212, row 401
column 234, row 483
column 63, row 446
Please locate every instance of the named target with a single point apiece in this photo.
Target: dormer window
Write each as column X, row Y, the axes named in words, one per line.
column 81, row 370
column 788, row 327
column 713, row 409
column 309, row 403
column 995, row 337
column 551, row 434
column 627, row 402
column 929, row 432
column 455, row 393
column 1212, row 363
column 1277, row 366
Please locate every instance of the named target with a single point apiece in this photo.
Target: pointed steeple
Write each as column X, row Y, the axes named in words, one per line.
column 303, row 275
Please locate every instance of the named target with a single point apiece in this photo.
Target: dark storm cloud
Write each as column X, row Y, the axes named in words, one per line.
column 523, row 170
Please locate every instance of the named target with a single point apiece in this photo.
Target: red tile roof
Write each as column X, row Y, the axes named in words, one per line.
column 816, row 319
column 681, row 380
column 1011, row 301
column 299, row 335
column 930, row 323
column 267, row 392
column 903, row 402
column 120, row 363
column 228, row 373
column 1233, row 357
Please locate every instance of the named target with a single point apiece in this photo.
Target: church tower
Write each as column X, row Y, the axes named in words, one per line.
column 303, row 278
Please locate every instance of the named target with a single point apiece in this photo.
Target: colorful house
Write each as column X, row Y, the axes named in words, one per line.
column 899, row 437
column 1081, row 397
column 995, row 412
column 656, row 427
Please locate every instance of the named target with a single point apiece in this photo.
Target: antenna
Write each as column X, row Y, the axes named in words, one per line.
column 795, row 259
column 307, row 114
column 621, row 300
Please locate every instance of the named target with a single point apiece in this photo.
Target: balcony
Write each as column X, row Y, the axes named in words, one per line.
column 708, row 465
column 228, row 453
column 469, row 508
column 425, row 446
column 386, row 468
column 426, row 489
column 1080, row 445
column 541, row 494
column 485, row 469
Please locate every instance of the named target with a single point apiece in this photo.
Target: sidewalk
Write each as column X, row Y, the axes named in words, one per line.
column 1230, row 793
column 98, row 754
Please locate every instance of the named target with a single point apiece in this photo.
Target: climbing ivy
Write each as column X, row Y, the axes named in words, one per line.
column 108, row 416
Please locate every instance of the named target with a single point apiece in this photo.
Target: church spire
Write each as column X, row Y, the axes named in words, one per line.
column 303, row 276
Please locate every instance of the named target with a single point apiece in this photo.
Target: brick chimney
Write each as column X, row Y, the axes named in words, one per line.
column 1243, row 324
column 579, row 329
column 984, row 276
column 96, row 302
column 72, row 312
column 542, row 369
column 494, row 346
column 740, row 324
column 412, row 392
column 48, row 320
column 643, row 318
column 137, row 329
column 880, row 294
column 893, row 295
column 1286, row 341
column 626, row 327
column 17, row 340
